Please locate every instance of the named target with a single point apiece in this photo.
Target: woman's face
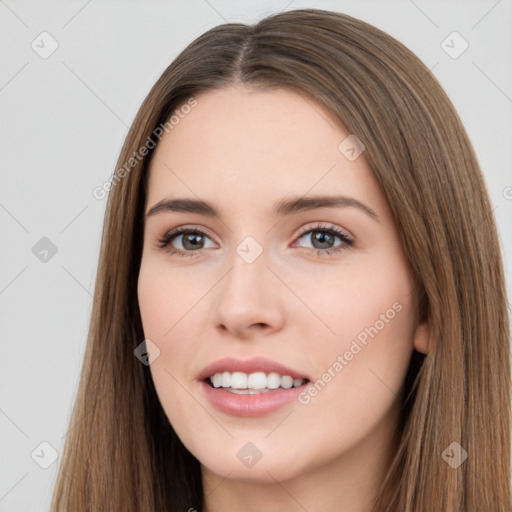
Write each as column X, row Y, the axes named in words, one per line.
column 292, row 275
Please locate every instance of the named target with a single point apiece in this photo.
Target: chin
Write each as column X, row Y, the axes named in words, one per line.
column 263, row 472
column 260, row 461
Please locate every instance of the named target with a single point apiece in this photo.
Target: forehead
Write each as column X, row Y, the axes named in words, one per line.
column 248, row 145
column 248, row 118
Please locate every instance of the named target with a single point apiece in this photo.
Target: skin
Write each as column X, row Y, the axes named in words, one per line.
column 243, row 149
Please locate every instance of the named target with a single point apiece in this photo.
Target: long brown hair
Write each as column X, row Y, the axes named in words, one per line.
column 121, row 453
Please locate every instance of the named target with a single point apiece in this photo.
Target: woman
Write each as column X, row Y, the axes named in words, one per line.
column 229, row 366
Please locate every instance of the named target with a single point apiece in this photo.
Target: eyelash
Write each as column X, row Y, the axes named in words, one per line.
column 332, row 230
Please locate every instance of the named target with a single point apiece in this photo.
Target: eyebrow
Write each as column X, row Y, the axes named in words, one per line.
column 282, row 207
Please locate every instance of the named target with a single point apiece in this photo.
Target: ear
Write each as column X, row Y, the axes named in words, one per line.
column 421, row 337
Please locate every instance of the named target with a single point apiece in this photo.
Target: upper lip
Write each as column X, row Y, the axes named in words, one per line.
column 255, row 364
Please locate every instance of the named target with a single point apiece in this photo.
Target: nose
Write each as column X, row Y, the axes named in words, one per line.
column 248, row 300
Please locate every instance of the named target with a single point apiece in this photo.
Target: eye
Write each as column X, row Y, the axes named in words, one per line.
column 192, row 240
column 322, row 238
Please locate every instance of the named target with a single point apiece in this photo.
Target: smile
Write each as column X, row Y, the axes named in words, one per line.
column 251, row 387
column 253, row 383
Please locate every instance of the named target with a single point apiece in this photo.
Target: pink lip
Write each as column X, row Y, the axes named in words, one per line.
column 249, row 405
column 256, row 364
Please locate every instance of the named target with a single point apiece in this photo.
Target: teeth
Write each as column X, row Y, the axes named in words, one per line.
column 256, row 380
column 273, row 380
column 253, row 383
column 217, row 380
column 286, row 382
column 248, row 391
column 239, row 380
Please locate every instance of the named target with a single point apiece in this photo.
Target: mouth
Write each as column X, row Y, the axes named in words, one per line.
column 253, row 383
column 252, row 387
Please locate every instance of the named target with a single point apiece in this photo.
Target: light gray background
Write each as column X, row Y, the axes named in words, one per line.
column 62, row 123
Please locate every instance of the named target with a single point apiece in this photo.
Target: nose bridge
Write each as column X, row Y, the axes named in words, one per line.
column 248, row 264
column 246, row 296
column 250, row 250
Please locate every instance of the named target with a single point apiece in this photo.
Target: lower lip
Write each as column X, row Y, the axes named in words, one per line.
column 250, row 405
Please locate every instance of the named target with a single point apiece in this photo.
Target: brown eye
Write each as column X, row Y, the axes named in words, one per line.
column 191, row 240
column 323, row 239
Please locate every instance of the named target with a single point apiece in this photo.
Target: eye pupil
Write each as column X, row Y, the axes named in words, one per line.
column 192, row 236
column 321, row 236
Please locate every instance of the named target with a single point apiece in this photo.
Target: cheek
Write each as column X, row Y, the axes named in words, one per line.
column 361, row 303
column 164, row 303
column 360, row 369
column 164, row 298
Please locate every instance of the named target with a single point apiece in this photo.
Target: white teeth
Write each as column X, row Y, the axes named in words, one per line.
column 217, row 380
column 253, row 383
column 286, row 382
column 247, row 391
column 256, row 380
column 239, row 380
column 273, row 380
